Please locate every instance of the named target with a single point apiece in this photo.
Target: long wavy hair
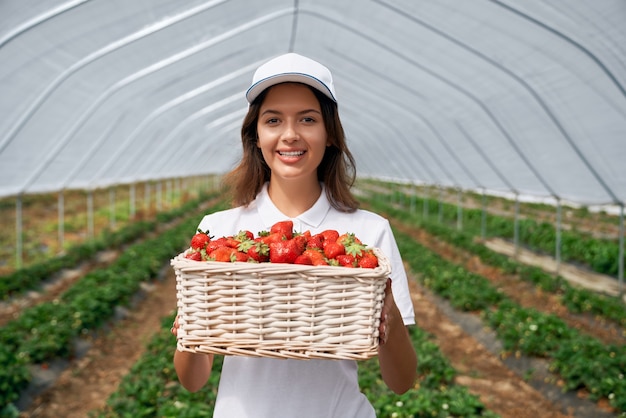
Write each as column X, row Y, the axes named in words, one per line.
column 337, row 169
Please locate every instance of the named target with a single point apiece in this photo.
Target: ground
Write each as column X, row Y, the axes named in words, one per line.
column 500, row 382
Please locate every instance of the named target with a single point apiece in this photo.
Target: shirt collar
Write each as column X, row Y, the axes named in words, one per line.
column 312, row 218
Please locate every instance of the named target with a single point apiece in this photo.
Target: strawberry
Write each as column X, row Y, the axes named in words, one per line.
column 256, row 249
column 232, row 242
column 300, row 242
column 194, row 255
column 224, row 254
column 368, row 260
column 200, row 240
column 270, row 238
column 284, row 228
column 346, row 260
column 303, row 259
column 333, row 249
column 284, row 251
column 316, row 256
column 330, row 235
column 241, row 256
column 244, row 235
column 214, row 244
column 352, row 244
column 314, row 242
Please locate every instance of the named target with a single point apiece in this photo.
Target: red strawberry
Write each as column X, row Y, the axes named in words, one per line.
column 225, row 254
column 244, row 235
column 353, row 245
column 200, row 240
column 330, row 235
column 270, row 238
column 284, row 228
column 241, row 256
column 194, row 255
column 314, row 242
column 333, row 249
column 303, row 259
column 284, row 251
column 257, row 249
column 232, row 242
column 300, row 242
column 214, row 244
column 348, row 238
column 316, row 256
column 346, row 260
column 368, row 260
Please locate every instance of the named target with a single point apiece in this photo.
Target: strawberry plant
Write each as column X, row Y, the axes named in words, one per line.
column 577, row 300
column 46, row 331
column 531, row 332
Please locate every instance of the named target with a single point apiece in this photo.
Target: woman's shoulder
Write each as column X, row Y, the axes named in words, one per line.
column 363, row 215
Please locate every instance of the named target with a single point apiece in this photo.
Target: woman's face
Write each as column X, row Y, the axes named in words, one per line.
column 291, row 132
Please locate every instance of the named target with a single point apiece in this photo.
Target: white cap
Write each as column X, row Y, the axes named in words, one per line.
column 292, row 68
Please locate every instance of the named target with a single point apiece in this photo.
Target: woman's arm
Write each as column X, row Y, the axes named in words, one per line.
column 193, row 369
column 396, row 356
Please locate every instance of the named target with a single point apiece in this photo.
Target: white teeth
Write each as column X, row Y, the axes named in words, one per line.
column 291, row 154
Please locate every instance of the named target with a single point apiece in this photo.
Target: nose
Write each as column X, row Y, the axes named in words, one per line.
column 290, row 133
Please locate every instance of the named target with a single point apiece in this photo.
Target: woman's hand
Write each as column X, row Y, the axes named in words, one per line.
column 175, row 326
column 396, row 355
column 386, row 317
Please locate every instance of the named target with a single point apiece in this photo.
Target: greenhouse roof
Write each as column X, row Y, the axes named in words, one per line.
column 522, row 97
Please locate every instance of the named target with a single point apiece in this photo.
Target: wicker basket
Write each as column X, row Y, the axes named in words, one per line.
column 279, row 310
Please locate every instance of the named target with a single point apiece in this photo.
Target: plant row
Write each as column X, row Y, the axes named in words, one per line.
column 46, row 331
column 577, row 300
column 151, row 387
column 580, row 360
column 28, row 278
column 600, row 255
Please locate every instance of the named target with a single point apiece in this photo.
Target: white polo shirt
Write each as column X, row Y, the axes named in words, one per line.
column 253, row 387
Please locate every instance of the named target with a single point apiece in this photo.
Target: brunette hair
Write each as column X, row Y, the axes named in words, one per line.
column 337, row 169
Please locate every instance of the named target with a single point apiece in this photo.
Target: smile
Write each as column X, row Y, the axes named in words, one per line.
column 291, row 153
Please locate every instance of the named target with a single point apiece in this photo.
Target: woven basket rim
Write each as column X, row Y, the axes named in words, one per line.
column 382, row 271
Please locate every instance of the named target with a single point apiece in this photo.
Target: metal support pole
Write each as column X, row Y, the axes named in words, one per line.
column 425, row 203
column 131, row 201
column 159, row 196
column 557, row 244
column 459, row 210
column 620, row 263
column 440, row 204
column 483, row 217
column 516, row 227
column 112, row 208
column 90, row 220
column 61, row 227
column 19, row 244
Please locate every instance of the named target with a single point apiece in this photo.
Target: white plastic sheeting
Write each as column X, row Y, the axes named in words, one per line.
column 515, row 96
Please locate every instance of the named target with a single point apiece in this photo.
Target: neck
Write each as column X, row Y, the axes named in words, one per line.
column 294, row 198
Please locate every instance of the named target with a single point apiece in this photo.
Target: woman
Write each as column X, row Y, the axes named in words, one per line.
column 296, row 165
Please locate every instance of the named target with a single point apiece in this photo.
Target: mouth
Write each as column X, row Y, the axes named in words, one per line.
column 290, row 153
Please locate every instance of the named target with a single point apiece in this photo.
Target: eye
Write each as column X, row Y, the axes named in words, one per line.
column 271, row 121
column 308, row 119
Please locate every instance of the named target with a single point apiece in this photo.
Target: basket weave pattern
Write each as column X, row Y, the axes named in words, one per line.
column 279, row 310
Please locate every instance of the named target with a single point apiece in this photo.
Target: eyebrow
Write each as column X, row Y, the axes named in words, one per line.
column 302, row 112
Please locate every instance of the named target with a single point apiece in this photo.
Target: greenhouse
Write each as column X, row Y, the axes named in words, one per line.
column 490, row 133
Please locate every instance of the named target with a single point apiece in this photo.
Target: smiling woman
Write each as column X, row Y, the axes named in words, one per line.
column 296, row 165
